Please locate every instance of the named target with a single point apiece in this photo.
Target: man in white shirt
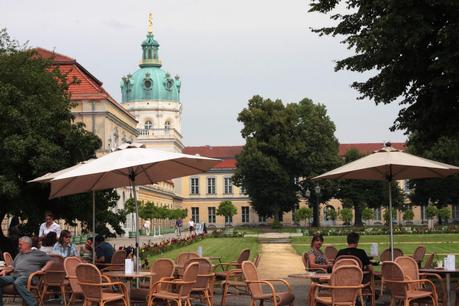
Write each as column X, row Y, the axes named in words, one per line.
column 191, row 225
column 49, row 226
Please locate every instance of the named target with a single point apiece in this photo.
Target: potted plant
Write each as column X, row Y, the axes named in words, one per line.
column 346, row 216
column 227, row 210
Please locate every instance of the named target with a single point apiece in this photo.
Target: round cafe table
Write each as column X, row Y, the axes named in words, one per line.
column 446, row 274
column 127, row 276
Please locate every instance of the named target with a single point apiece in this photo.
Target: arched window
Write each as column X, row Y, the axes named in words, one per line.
column 148, row 125
column 167, row 125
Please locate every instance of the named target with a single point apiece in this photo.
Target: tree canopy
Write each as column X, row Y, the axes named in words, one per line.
column 286, row 145
column 37, row 136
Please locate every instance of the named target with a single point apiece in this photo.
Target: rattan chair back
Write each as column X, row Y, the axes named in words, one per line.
column 182, row 258
column 360, row 264
column 8, row 259
column 243, row 256
column 391, row 271
column 250, row 274
column 410, row 268
column 419, row 254
column 204, row 271
column 70, row 264
column 386, row 255
column 330, row 252
column 257, row 260
column 346, row 276
column 429, row 261
column 189, row 275
column 345, row 262
column 89, row 278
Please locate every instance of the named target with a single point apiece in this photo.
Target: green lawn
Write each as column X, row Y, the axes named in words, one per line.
column 227, row 248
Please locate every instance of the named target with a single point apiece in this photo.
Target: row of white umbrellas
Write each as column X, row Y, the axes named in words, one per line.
column 135, row 165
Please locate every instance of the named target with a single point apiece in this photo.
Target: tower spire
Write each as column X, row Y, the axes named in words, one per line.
column 150, row 23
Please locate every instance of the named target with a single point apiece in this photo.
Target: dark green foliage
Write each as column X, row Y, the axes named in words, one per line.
column 411, row 49
column 283, row 142
column 37, row 136
column 359, row 194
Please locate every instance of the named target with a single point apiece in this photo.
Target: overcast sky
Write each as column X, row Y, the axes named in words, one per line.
column 224, row 51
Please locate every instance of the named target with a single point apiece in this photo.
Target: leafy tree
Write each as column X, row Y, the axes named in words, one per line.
column 386, row 215
column 304, row 213
column 409, row 48
column 332, row 215
column 226, row 209
column 284, row 142
column 368, row 214
column 444, row 214
column 346, row 215
column 37, row 136
column 359, row 194
column 431, row 211
column 408, row 215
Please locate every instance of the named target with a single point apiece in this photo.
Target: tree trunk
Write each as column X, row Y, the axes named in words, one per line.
column 276, row 211
column 315, row 214
column 358, row 215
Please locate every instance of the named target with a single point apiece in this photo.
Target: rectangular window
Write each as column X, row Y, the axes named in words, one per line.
column 245, row 214
column 262, row 219
column 211, row 213
column 228, row 185
column 455, row 212
column 229, row 219
column 377, row 214
column 211, row 185
column 194, row 185
column 195, row 214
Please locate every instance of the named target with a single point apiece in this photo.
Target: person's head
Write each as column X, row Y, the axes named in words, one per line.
column 317, row 241
column 50, row 239
column 99, row 239
column 49, row 218
column 65, row 238
column 353, row 239
column 25, row 244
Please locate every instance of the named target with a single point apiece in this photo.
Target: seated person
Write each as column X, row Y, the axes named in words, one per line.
column 86, row 250
column 317, row 259
column 26, row 262
column 64, row 246
column 352, row 243
column 104, row 250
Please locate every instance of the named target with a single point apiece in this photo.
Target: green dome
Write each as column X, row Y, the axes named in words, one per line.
column 150, row 82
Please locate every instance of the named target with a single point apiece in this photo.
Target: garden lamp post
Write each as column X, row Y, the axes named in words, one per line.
column 316, row 209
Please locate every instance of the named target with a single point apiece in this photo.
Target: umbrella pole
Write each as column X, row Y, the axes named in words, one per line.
column 391, row 227
column 137, row 251
column 94, row 227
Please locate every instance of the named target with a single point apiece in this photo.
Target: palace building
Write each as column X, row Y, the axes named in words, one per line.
column 150, row 113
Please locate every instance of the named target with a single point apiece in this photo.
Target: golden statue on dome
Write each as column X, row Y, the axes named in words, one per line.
column 150, row 23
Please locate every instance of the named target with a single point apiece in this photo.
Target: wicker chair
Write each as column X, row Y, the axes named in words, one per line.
column 181, row 260
column 345, row 262
column 429, row 261
column 117, row 262
column 205, row 280
column 345, row 286
column 386, row 255
column 330, row 252
column 163, row 269
column 70, row 264
column 183, row 286
column 8, row 259
column 256, row 290
column 90, row 280
column 33, row 285
column 419, row 254
column 54, row 278
column 369, row 288
column 243, row 256
column 402, row 288
column 257, row 260
column 411, row 270
column 307, row 267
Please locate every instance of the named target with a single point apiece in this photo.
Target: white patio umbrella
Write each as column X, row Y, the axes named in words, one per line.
column 44, row 179
column 389, row 164
column 129, row 167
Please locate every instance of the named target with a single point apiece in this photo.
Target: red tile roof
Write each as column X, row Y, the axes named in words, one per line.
column 82, row 84
column 228, row 153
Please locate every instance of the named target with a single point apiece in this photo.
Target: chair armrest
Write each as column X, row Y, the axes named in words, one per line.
column 176, row 282
column 31, row 276
column 286, row 283
column 316, row 270
column 264, row 282
column 225, row 265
